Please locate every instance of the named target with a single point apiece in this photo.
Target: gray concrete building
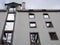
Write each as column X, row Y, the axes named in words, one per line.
column 20, row 26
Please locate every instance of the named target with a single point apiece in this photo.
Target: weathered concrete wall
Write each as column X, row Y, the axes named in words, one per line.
column 22, row 30
column 2, row 21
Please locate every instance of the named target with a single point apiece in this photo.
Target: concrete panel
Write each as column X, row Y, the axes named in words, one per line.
column 22, row 30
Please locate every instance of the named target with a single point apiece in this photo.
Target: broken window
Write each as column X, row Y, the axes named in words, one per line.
column 34, row 37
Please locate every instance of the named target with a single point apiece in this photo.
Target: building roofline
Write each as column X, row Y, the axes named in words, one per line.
column 34, row 10
column 40, row 10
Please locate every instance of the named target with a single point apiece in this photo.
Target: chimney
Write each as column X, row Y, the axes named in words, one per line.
column 23, row 5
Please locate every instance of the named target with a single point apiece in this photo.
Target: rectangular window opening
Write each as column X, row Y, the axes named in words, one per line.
column 53, row 35
column 9, row 26
column 34, row 38
column 31, row 16
column 10, row 16
column 7, row 38
column 33, row 25
column 12, row 9
column 49, row 24
column 45, row 15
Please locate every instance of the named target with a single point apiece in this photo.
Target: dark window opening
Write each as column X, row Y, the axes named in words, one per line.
column 34, row 38
column 49, row 24
column 31, row 16
column 33, row 25
column 12, row 9
column 45, row 15
column 53, row 35
column 9, row 26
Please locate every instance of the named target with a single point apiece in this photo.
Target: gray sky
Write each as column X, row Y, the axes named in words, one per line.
column 35, row 4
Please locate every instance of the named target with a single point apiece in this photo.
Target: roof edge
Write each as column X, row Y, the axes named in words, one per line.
column 39, row 10
column 34, row 10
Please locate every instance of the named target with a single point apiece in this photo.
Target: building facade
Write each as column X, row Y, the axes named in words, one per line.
column 20, row 26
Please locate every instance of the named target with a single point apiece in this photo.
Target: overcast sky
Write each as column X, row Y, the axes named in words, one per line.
column 35, row 4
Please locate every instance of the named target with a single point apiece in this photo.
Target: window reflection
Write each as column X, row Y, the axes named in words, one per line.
column 10, row 17
column 9, row 25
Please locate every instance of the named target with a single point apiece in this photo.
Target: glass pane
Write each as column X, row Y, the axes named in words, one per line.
column 31, row 16
column 9, row 25
column 48, row 24
column 10, row 17
column 5, row 36
column 32, row 25
column 46, row 16
column 9, row 37
column 12, row 9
